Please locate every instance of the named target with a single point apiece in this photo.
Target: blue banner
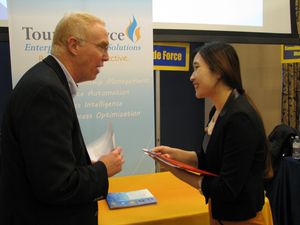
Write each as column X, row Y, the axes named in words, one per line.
column 123, row 92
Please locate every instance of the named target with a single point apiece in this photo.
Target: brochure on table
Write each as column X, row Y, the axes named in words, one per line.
column 129, row 199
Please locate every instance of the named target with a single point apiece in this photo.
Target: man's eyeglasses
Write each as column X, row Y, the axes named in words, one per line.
column 102, row 47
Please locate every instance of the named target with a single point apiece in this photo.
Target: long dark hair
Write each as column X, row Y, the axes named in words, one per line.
column 223, row 59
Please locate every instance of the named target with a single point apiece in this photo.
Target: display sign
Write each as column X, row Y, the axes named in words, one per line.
column 290, row 53
column 123, row 93
column 171, row 56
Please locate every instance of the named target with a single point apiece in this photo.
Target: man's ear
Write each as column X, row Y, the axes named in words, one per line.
column 73, row 45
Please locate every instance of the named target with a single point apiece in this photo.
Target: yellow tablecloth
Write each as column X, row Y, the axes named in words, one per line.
column 177, row 202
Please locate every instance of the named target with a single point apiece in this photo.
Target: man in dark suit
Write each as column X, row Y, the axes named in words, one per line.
column 46, row 175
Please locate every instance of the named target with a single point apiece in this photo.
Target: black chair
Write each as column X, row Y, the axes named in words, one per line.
column 280, row 140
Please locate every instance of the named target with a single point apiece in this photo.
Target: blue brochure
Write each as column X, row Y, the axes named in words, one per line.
column 129, row 199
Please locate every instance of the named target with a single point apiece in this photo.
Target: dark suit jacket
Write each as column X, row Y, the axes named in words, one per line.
column 236, row 151
column 46, row 175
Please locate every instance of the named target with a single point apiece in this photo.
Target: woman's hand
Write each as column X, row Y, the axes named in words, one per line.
column 166, row 151
column 185, row 156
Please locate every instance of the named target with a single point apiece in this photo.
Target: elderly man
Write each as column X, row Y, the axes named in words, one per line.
column 47, row 177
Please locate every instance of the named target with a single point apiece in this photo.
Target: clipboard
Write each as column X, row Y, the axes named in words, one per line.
column 177, row 164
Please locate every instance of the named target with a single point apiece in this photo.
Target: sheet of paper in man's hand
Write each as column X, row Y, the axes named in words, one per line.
column 103, row 144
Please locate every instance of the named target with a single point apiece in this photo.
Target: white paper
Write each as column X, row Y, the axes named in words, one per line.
column 103, row 145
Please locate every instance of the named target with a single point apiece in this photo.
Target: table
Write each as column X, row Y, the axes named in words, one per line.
column 177, row 202
column 283, row 192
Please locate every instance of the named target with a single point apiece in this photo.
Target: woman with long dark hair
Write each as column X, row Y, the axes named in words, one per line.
column 234, row 145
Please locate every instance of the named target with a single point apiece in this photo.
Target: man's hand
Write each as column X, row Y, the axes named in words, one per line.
column 113, row 161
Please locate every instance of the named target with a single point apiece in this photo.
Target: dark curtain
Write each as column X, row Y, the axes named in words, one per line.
column 291, row 88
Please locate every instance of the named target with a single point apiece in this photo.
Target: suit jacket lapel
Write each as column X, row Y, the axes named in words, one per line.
column 221, row 120
column 49, row 60
column 59, row 72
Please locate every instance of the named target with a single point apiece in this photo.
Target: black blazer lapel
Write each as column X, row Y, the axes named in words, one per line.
column 50, row 61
